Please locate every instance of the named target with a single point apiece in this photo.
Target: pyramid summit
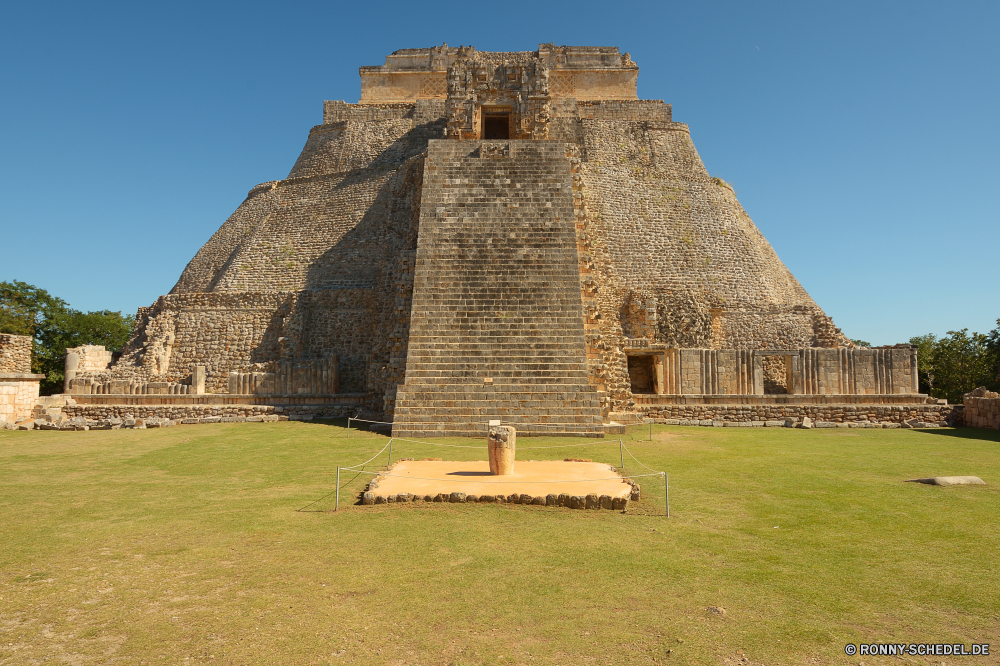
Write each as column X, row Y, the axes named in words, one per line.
column 492, row 235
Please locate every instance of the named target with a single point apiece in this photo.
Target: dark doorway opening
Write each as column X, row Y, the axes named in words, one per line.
column 642, row 374
column 496, row 127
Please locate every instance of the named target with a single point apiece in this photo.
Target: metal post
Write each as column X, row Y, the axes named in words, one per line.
column 666, row 492
column 390, row 450
column 348, row 427
column 651, row 431
column 336, row 504
column 621, row 451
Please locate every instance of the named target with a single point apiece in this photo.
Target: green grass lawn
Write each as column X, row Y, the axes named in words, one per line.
column 217, row 543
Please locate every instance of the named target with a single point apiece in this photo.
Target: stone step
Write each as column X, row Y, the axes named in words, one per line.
column 496, row 236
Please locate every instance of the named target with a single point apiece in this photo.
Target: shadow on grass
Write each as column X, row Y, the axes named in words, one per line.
column 356, row 426
column 964, row 433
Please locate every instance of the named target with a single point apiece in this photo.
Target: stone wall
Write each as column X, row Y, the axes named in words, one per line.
column 18, row 386
column 937, row 415
column 982, row 409
column 211, row 412
column 91, row 358
column 18, row 393
column 15, row 353
column 819, row 372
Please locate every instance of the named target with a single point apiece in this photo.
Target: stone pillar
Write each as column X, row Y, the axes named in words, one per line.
column 335, row 374
column 501, row 449
column 797, row 385
column 658, row 364
column 197, row 379
column 758, row 374
column 72, row 365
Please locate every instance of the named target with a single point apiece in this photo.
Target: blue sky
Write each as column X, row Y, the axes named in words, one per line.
column 861, row 137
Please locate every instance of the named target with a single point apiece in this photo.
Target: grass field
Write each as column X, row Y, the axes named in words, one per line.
column 217, row 544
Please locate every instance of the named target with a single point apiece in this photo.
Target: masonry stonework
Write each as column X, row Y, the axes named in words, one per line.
column 18, row 385
column 489, row 235
column 982, row 409
column 15, row 353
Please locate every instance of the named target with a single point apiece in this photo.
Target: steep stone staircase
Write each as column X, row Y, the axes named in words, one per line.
column 497, row 327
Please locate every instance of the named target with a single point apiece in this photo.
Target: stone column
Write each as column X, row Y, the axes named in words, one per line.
column 758, row 374
column 72, row 365
column 197, row 379
column 501, row 449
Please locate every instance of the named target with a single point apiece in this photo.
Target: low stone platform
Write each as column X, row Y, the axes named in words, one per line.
column 544, row 482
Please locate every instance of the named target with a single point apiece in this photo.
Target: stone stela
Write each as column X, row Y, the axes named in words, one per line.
column 484, row 236
column 501, row 445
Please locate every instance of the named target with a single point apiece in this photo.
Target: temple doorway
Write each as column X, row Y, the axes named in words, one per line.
column 642, row 374
column 496, row 126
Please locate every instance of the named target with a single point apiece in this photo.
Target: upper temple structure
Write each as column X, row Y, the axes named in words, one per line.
column 486, row 236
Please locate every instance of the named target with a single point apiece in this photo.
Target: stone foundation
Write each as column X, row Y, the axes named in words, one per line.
column 18, row 393
column 837, row 414
column 184, row 412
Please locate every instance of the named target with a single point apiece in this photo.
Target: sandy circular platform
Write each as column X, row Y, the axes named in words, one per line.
column 541, row 478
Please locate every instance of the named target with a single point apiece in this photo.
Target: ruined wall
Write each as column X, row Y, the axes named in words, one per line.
column 18, row 387
column 982, row 409
column 91, row 358
column 17, row 398
column 15, row 353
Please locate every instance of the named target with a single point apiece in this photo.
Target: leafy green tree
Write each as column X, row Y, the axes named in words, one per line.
column 957, row 363
column 72, row 328
column 24, row 308
column 54, row 326
column 862, row 343
column 925, row 361
column 993, row 345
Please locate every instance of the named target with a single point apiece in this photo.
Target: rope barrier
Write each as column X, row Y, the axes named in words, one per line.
column 352, row 467
column 385, row 474
column 637, row 460
column 565, row 446
column 521, row 481
column 451, row 446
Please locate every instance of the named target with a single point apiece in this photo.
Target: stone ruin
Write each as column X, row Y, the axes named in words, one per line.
column 18, row 385
column 509, row 235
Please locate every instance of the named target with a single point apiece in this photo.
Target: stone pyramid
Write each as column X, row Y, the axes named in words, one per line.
column 483, row 236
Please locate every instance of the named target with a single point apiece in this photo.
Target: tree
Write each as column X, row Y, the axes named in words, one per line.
column 861, row 343
column 957, row 363
column 23, row 307
column 28, row 310
column 925, row 361
column 72, row 328
column 993, row 345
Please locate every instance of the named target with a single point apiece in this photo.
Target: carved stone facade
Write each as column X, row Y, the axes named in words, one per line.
column 516, row 93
